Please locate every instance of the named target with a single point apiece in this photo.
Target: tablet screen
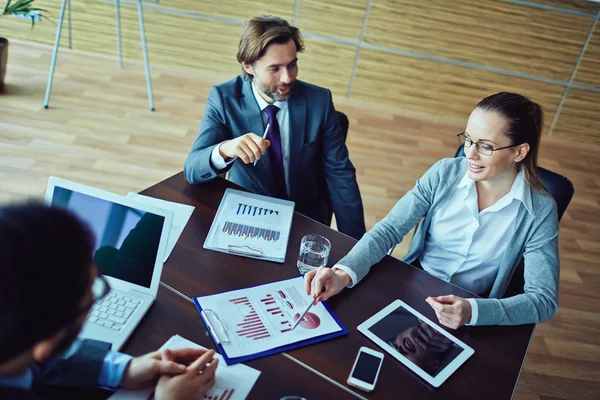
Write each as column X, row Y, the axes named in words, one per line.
column 416, row 340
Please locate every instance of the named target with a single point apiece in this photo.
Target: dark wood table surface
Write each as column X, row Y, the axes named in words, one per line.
column 491, row 373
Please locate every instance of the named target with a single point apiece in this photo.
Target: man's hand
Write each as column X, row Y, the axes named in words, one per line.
column 198, row 378
column 248, row 148
column 451, row 311
column 334, row 280
column 144, row 371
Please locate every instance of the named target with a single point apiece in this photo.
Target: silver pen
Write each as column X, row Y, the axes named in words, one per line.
column 303, row 314
column 264, row 137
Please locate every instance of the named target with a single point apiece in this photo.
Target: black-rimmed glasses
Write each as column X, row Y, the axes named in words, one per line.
column 482, row 148
column 100, row 289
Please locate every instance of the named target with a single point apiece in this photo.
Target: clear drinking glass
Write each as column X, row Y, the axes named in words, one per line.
column 314, row 253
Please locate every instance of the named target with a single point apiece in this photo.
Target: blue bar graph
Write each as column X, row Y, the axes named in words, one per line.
column 254, row 211
column 250, row 232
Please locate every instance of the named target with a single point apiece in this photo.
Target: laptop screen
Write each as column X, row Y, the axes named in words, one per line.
column 127, row 239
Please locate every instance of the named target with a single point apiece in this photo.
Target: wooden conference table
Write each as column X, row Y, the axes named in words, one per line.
column 319, row 370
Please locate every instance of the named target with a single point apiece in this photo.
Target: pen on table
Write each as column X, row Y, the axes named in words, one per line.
column 303, row 314
column 264, row 137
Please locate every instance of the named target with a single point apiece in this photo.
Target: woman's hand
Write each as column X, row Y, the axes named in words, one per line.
column 452, row 311
column 333, row 280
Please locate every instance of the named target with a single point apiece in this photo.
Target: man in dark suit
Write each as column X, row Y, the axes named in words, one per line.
column 46, row 283
column 303, row 138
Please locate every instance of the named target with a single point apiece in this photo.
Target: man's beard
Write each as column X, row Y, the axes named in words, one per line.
column 272, row 91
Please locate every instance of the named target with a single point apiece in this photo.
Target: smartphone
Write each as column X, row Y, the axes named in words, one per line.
column 365, row 370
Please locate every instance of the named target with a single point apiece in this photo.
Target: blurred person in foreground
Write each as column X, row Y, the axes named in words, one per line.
column 48, row 285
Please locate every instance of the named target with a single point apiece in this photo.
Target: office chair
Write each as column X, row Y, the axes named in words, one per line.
column 118, row 15
column 321, row 180
column 562, row 190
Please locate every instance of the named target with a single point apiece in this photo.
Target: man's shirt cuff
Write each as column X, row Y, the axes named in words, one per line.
column 353, row 277
column 474, row 312
column 113, row 369
column 217, row 161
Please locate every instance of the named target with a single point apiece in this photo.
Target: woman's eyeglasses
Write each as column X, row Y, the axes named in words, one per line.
column 482, row 148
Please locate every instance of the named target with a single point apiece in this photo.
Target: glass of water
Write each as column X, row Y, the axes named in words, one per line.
column 314, row 253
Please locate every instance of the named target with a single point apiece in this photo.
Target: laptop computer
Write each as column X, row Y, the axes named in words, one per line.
column 130, row 244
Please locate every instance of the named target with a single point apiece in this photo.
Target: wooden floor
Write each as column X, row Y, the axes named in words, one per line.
column 99, row 131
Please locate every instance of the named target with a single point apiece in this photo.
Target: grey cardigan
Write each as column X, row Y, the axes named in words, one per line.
column 535, row 239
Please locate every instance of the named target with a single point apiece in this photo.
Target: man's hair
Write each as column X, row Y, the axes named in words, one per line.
column 45, row 261
column 259, row 33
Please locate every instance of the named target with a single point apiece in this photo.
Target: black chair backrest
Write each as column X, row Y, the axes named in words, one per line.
column 559, row 186
column 321, row 181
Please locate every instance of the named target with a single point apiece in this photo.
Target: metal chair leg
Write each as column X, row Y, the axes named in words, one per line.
column 55, row 53
column 119, row 48
column 145, row 53
column 70, row 28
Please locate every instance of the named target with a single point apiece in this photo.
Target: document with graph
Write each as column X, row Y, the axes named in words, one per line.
column 257, row 321
column 251, row 225
column 231, row 382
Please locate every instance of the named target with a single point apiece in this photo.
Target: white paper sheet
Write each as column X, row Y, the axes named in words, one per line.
column 231, row 382
column 260, row 318
column 251, row 223
column 181, row 215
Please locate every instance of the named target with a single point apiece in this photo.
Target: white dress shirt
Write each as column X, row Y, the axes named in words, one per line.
column 465, row 246
column 283, row 120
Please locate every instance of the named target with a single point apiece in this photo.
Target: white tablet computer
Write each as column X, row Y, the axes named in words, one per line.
column 425, row 348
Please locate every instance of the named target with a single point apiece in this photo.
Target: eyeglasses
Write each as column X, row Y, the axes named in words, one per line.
column 100, row 289
column 482, row 148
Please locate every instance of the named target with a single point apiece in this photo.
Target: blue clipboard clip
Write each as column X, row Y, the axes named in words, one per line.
column 211, row 328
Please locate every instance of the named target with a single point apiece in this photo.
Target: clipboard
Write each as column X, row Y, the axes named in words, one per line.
column 220, row 334
column 251, row 225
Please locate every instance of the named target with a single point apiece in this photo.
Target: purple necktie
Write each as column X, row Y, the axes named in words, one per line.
column 275, row 152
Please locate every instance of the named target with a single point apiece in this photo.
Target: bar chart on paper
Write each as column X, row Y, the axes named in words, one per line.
column 251, row 225
column 250, row 232
column 259, row 319
column 255, row 211
column 251, row 326
column 219, row 393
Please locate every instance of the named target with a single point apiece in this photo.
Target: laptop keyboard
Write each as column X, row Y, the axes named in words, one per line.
column 113, row 311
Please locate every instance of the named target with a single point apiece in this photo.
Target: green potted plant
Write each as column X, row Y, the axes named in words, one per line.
column 16, row 7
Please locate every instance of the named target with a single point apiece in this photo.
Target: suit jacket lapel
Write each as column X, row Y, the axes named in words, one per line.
column 297, row 110
column 252, row 114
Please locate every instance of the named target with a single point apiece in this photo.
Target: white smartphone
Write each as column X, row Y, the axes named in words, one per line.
column 365, row 370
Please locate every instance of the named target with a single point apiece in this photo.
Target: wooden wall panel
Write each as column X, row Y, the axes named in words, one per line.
column 573, row 5
column 327, row 64
column 588, row 72
column 239, row 10
column 493, row 33
column 336, row 18
column 439, row 88
column 203, row 36
column 579, row 119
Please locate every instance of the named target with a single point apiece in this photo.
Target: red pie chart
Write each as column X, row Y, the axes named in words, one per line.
column 310, row 321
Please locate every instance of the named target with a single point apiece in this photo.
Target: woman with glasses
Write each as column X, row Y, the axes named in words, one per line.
column 482, row 214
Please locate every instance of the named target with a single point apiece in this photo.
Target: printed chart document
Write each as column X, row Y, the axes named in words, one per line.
column 181, row 215
column 257, row 321
column 251, row 225
column 231, row 382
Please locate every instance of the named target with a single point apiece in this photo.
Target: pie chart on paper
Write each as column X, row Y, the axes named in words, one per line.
column 310, row 321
